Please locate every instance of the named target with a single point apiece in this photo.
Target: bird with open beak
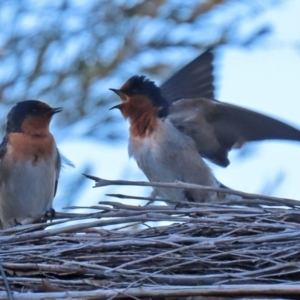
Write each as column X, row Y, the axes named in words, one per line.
column 173, row 126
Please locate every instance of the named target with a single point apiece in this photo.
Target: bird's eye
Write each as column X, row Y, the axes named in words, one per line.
column 134, row 91
column 34, row 110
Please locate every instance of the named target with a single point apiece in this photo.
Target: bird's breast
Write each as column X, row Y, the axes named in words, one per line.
column 167, row 155
column 26, row 186
column 22, row 147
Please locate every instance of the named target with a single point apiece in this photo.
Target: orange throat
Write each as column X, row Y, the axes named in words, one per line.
column 34, row 143
column 37, row 126
column 142, row 118
column 144, row 125
column 142, row 115
column 30, row 148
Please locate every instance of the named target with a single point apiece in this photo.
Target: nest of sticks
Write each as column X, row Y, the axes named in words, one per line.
column 235, row 249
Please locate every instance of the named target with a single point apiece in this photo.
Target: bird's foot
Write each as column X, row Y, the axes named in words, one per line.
column 50, row 214
column 16, row 223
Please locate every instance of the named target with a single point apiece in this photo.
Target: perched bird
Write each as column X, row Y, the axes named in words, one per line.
column 162, row 151
column 29, row 164
column 169, row 130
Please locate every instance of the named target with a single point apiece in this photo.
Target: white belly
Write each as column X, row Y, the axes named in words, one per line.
column 27, row 192
column 167, row 155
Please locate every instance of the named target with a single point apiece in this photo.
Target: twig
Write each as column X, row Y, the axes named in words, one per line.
column 152, row 257
column 7, row 287
column 287, row 290
column 181, row 185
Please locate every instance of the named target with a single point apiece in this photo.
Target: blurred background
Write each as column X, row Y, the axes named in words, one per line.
column 69, row 52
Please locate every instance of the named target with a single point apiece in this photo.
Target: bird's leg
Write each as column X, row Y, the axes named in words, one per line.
column 50, row 214
column 16, row 223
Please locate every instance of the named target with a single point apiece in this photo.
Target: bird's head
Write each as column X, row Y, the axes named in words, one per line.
column 140, row 95
column 30, row 116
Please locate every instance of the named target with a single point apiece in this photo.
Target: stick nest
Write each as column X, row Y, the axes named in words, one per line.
column 236, row 248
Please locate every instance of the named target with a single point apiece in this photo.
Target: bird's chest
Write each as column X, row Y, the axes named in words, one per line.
column 28, row 160
column 30, row 165
column 22, row 148
column 154, row 153
column 146, row 151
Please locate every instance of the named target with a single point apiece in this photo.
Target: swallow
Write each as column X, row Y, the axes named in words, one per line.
column 216, row 127
column 29, row 164
column 170, row 136
column 162, row 151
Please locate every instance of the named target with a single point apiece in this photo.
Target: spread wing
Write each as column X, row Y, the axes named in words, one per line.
column 217, row 127
column 192, row 81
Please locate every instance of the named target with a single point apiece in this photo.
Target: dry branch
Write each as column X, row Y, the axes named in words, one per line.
column 166, row 291
column 100, row 182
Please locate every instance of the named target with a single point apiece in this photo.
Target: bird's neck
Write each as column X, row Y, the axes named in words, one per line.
column 142, row 117
column 37, row 127
column 143, row 124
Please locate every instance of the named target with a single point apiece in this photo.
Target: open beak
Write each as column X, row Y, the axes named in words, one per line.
column 116, row 106
column 123, row 96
